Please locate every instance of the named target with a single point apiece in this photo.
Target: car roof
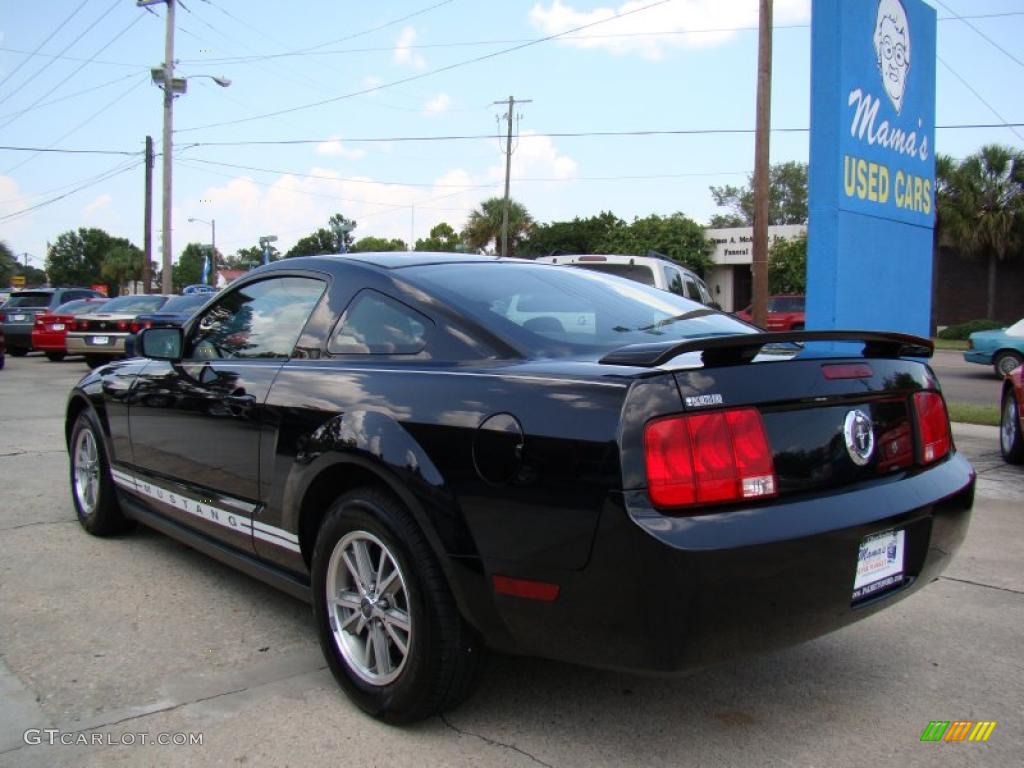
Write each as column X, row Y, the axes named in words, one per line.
column 398, row 259
column 612, row 258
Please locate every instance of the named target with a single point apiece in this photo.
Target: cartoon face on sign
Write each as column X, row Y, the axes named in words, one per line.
column 892, row 47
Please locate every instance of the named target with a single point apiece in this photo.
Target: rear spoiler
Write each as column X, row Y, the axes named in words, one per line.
column 744, row 347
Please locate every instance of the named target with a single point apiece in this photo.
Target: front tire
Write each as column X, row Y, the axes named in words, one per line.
column 92, row 489
column 18, row 351
column 55, row 357
column 95, row 361
column 1011, row 443
column 387, row 621
column 1006, row 362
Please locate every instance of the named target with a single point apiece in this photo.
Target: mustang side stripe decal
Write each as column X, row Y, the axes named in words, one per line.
column 236, row 521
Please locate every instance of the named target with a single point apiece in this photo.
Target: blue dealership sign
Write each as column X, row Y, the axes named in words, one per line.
column 872, row 175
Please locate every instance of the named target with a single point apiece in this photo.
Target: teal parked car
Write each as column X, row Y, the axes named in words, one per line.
column 1002, row 349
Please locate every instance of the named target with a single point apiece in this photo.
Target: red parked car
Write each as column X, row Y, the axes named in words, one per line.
column 785, row 313
column 49, row 331
column 1011, row 422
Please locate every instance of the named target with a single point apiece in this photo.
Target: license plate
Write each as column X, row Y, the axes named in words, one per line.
column 58, row 326
column 879, row 564
column 98, row 340
column 16, row 318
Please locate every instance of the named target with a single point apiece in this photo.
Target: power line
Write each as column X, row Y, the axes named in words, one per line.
column 68, row 151
column 378, row 28
column 509, row 41
column 49, row 37
column 985, row 37
column 107, row 84
column 75, row 71
column 334, row 178
column 87, row 120
column 981, row 98
column 37, row 206
column 68, row 47
column 550, row 135
column 422, row 75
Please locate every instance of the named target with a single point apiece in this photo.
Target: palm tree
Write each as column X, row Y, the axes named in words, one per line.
column 980, row 207
column 483, row 226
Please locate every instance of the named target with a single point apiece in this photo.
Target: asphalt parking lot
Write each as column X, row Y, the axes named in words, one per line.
column 116, row 638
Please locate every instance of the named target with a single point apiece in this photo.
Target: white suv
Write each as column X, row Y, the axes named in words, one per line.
column 657, row 271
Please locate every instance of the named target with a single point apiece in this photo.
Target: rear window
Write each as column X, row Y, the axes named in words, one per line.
column 635, row 272
column 41, row 299
column 556, row 311
column 189, row 303
column 125, row 304
column 786, row 304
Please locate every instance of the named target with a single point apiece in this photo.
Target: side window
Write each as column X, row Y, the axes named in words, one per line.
column 259, row 320
column 374, row 324
column 692, row 291
column 674, row 281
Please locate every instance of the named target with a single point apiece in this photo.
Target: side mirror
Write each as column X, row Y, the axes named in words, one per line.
column 161, row 343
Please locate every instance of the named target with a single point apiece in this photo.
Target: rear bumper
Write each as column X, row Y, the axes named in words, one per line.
column 48, row 341
column 18, row 336
column 81, row 344
column 669, row 594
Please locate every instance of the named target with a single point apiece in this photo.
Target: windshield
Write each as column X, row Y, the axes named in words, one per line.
column 557, row 311
column 79, row 307
column 1017, row 329
column 41, row 299
column 786, row 304
column 126, row 304
column 189, row 303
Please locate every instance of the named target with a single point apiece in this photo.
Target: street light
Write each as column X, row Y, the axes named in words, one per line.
column 213, row 246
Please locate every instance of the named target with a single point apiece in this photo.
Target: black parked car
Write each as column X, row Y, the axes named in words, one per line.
column 19, row 312
column 176, row 311
column 448, row 452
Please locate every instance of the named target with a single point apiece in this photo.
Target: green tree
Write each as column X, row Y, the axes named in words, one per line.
column 576, row 236
column 248, row 258
column 121, row 264
column 442, row 238
column 189, row 268
column 76, row 258
column 378, row 244
column 787, row 198
column 483, row 227
column 324, row 239
column 676, row 236
column 7, row 264
column 787, row 266
column 980, row 207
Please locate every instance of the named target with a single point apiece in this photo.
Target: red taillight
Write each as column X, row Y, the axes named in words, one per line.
column 933, row 427
column 137, row 326
column 526, row 588
column 705, row 458
column 82, row 325
column 847, row 371
column 122, row 325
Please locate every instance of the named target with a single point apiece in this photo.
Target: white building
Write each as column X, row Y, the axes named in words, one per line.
column 731, row 279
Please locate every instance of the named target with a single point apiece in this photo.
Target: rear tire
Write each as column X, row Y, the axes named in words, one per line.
column 1006, row 361
column 92, row 489
column 95, row 361
column 55, row 357
column 425, row 657
column 1011, row 443
column 18, row 351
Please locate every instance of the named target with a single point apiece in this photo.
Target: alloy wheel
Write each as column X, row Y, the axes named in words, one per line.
column 368, row 607
column 87, row 472
column 1009, row 425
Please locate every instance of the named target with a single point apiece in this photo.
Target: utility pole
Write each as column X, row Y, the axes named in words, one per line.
column 166, row 285
column 508, row 168
column 147, row 221
column 761, row 167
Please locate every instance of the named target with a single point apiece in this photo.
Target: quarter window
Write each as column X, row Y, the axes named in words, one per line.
column 374, row 324
column 674, row 280
column 258, row 320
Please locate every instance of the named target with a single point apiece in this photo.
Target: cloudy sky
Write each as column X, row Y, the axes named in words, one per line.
column 330, row 102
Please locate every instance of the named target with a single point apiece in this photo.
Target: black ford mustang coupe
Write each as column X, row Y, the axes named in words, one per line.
column 446, row 452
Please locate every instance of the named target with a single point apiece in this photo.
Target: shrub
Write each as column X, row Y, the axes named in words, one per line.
column 963, row 330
